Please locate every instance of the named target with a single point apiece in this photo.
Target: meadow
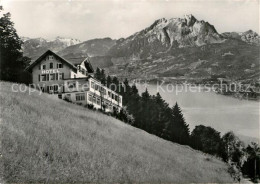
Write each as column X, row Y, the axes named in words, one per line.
column 45, row 139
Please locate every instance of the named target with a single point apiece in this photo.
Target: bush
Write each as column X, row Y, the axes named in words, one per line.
column 234, row 171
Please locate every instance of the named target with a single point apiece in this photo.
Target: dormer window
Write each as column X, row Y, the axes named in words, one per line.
column 51, row 65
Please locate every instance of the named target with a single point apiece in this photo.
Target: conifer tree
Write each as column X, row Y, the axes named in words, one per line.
column 133, row 105
column 103, row 77
column 97, row 75
column 12, row 62
column 145, row 110
column 126, row 92
column 159, row 115
column 177, row 129
column 115, row 84
column 108, row 81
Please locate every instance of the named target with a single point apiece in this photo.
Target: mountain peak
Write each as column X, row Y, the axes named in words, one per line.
column 190, row 19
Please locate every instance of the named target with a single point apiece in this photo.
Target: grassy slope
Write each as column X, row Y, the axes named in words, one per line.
column 46, row 139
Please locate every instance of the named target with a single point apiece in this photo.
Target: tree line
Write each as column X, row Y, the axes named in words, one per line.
column 152, row 114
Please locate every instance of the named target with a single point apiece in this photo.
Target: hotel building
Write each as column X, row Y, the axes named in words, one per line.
column 72, row 80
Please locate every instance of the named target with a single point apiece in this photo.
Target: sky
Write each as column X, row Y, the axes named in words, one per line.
column 89, row 19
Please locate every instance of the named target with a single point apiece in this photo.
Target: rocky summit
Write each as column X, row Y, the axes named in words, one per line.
column 169, row 33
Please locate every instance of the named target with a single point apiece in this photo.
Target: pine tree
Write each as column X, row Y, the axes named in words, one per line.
column 145, row 111
column 103, row 77
column 115, row 85
column 159, row 115
column 108, row 82
column 134, row 105
column 126, row 91
column 177, row 129
column 12, row 62
column 97, row 75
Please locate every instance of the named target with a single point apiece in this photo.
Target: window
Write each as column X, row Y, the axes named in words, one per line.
column 75, row 76
column 40, row 67
column 55, row 88
column 49, row 89
column 59, row 65
column 92, row 85
column 109, row 94
column 113, row 96
column 90, row 98
column 61, row 76
column 94, row 99
column 44, row 67
column 116, row 97
column 44, row 78
column 82, row 71
column 97, row 87
column 52, row 76
column 98, row 101
column 80, row 97
column 51, row 65
column 39, row 78
column 50, row 57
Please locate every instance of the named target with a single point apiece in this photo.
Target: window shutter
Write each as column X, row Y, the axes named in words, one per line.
column 57, row 76
column 47, row 77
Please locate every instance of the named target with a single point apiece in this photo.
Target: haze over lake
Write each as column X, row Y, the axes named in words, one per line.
column 218, row 111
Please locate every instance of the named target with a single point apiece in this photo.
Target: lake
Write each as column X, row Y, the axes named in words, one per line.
column 221, row 112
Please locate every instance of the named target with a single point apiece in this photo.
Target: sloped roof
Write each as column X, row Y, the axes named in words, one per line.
column 79, row 60
column 75, row 60
column 88, row 66
column 49, row 52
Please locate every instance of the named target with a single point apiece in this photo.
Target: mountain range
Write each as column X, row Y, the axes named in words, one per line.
column 176, row 48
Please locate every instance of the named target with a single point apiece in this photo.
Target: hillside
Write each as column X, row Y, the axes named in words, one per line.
column 45, row 139
column 233, row 59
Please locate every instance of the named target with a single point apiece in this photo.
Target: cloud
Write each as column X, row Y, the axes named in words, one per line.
column 87, row 19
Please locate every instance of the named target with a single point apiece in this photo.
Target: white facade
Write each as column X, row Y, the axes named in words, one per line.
column 91, row 91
